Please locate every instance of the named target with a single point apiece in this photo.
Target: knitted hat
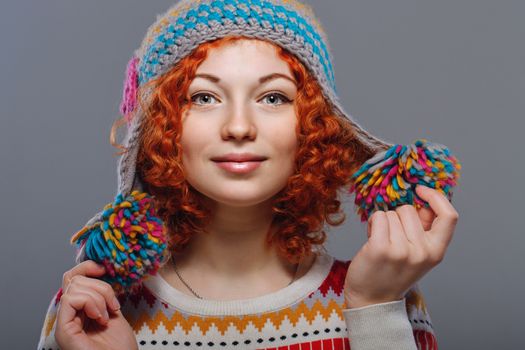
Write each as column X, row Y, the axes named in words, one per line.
column 129, row 239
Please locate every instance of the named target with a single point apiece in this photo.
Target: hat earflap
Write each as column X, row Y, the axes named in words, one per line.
column 127, row 236
column 389, row 178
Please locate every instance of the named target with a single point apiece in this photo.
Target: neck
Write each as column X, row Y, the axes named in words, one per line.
column 234, row 247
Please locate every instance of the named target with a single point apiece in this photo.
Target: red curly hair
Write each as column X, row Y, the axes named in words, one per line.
column 328, row 154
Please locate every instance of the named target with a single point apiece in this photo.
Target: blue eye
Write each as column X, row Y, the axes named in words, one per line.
column 196, row 97
column 281, row 97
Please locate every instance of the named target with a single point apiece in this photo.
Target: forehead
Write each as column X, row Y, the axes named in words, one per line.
column 244, row 56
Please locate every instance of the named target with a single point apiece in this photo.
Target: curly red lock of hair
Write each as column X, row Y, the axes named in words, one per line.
column 328, row 154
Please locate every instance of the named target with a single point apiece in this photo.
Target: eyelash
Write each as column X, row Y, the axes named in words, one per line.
column 281, row 96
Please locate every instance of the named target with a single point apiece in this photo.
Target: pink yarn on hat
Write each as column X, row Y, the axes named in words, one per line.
column 129, row 94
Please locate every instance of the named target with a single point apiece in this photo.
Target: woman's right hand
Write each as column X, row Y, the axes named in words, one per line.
column 88, row 316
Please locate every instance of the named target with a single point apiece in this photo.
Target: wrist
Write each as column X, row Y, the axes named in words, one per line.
column 356, row 302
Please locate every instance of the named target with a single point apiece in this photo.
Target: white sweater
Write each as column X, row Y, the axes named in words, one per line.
column 308, row 314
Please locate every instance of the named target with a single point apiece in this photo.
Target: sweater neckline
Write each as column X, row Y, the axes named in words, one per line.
column 282, row 298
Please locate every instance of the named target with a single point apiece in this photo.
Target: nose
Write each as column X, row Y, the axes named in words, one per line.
column 239, row 124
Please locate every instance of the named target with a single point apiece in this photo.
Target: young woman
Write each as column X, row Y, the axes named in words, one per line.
column 235, row 129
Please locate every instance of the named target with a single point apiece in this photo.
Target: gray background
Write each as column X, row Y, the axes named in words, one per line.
column 452, row 71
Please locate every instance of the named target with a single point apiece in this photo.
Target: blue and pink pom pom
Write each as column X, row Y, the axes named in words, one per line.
column 129, row 240
column 389, row 178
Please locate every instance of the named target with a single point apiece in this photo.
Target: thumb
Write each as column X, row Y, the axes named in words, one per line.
column 446, row 216
column 89, row 268
column 95, row 267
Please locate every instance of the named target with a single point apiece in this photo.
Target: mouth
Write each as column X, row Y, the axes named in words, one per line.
column 243, row 167
column 239, row 157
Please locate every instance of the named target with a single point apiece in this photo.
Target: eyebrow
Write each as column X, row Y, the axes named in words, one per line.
column 262, row 80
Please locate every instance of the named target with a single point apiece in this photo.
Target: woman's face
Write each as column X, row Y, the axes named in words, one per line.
column 241, row 102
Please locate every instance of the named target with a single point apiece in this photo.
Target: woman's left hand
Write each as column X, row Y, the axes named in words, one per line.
column 403, row 245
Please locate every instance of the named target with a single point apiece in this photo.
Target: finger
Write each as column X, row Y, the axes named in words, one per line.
column 85, row 268
column 427, row 217
column 71, row 304
column 100, row 302
column 412, row 224
column 378, row 231
column 397, row 236
column 101, row 287
column 446, row 216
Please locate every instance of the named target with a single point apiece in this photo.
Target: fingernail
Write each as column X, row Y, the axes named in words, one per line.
column 106, row 315
column 116, row 304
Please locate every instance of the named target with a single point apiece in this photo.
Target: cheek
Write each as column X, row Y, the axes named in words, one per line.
column 193, row 142
column 285, row 146
column 285, row 141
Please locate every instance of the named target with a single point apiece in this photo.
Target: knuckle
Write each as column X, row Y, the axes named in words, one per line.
column 99, row 299
column 65, row 278
column 88, row 297
column 419, row 259
column 74, row 279
column 108, row 290
column 398, row 255
column 66, row 300
column 380, row 254
column 437, row 258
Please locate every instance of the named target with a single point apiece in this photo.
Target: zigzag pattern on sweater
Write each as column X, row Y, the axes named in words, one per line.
column 315, row 322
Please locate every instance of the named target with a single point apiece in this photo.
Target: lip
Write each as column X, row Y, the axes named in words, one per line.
column 239, row 157
column 240, row 167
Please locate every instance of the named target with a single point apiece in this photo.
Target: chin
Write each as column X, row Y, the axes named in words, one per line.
column 238, row 196
column 242, row 203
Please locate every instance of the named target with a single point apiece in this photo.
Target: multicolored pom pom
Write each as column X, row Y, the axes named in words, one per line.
column 389, row 178
column 129, row 240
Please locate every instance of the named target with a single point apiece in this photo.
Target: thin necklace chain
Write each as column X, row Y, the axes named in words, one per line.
column 198, row 296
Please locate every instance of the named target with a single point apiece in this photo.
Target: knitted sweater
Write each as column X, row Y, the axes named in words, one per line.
column 308, row 314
